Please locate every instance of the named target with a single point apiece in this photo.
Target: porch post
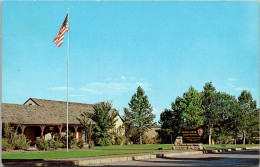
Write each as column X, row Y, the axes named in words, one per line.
column 60, row 128
column 42, row 130
column 76, row 129
column 22, row 128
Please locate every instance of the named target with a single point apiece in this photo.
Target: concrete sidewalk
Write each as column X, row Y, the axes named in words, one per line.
column 117, row 158
column 218, row 150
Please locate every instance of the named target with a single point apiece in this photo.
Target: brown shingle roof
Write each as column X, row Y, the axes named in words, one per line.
column 48, row 112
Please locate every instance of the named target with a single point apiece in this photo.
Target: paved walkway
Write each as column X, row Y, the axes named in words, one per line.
column 246, row 158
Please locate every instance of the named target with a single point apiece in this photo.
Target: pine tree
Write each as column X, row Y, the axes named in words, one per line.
column 193, row 111
column 139, row 114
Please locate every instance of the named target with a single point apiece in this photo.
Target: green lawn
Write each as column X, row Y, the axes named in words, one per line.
column 96, row 151
column 101, row 151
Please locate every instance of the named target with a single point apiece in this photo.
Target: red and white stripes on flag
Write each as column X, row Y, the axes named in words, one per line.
column 58, row 40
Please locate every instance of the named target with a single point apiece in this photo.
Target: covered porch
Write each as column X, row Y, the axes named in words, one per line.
column 46, row 131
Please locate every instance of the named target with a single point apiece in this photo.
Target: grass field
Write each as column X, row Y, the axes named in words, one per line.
column 94, row 152
column 101, row 151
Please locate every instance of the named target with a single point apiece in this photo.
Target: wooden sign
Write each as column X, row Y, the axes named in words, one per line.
column 192, row 136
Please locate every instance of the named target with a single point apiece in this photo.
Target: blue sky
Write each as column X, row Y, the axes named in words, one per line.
column 165, row 47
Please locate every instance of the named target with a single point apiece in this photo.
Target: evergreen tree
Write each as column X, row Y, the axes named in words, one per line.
column 130, row 131
column 193, row 111
column 140, row 114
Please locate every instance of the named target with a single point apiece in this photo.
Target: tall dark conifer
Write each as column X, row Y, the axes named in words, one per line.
column 140, row 114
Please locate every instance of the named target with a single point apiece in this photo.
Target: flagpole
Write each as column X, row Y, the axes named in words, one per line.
column 68, row 86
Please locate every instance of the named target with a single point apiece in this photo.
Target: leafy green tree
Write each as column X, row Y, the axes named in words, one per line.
column 193, row 110
column 248, row 109
column 139, row 114
column 253, row 130
column 166, row 124
column 87, row 126
column 104, row 117
column 226, row 106
column 171, row 122
column 208, row 102
column 235, row 120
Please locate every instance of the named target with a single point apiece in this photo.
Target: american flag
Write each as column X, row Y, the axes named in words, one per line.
column 58, row 40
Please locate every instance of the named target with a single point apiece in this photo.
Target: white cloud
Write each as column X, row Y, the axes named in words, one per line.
column 123, row 77
column 232, row 79
column 242, row 88
column 113, row 88
column 61, row 88
column 231, row 85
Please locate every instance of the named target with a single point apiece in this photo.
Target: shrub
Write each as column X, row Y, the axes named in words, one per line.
column 223, row 139
column 42, row 144
column 91, row 144
column 20, row 142
column 5, row 145
column 8, row 131
column 119, row 140
column 127, row 141
column 157, row 140
column 59, row 141
column 80, row 144
column 55, row 144
column 62, row 138
column 103, row 141
column 147, row 140
column 13, row 141
column 72, row 140
column 154, row 140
